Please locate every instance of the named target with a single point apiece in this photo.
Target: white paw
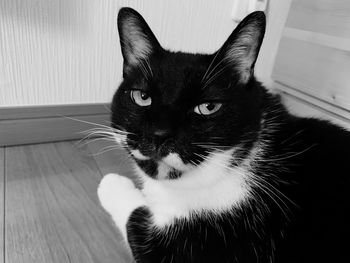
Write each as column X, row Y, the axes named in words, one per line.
column 119, row 197
column 113, row 190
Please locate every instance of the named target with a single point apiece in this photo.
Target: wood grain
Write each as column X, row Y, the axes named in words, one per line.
column 320, row 71
column 330, row 17
column 300, row 106
column 331, row 109
column 52, row 210
column 2, row 193
column 318, row 38
column 312, row 64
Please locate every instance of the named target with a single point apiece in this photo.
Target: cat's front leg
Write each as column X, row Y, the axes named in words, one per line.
column 119, row 197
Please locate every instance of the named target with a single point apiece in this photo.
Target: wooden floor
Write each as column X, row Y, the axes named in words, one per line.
column 50, row 210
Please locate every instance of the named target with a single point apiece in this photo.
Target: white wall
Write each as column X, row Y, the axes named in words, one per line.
column 67, row 51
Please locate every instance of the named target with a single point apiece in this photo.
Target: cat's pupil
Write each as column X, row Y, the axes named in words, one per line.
column 210, row 106
column 144, row 96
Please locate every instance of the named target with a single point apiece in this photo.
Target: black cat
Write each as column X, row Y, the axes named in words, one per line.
column 228, row 175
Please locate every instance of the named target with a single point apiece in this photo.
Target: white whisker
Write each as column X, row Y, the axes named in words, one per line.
column 87, row 122
column 211, row 63
column 94, row 140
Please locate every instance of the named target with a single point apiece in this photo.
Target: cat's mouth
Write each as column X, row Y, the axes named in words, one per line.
column 172, row 160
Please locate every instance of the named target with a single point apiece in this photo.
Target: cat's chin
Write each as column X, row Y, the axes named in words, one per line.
column 139, row 156
column 169, row 167
column 173, row 160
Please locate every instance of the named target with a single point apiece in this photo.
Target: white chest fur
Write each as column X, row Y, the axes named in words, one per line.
column 213, row 186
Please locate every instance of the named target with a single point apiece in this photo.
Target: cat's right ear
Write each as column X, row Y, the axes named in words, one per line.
column 137, row 41
column 241, row 49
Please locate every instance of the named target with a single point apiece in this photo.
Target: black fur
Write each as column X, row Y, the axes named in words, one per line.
column 300, row 212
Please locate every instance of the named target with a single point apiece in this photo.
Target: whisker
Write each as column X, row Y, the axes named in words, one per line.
column 110, row 147
column 264, row 180
column 107, row 108
column 107, row 133
column 87, row 137
column 112, row 137
column 218, row 163
column 94, row 140
column 287, row 156
column 271, row 191
column 107, row 150
column 212, row 78
column 212, row 145
column 149, row 67
column 87, row 122
column 268, row 192
column 211, row 63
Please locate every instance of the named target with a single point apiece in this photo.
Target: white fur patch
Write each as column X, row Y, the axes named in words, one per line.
column 212, row 187
column 138, row 155
column 163, row 171
column 173, row 160
column 119, row 198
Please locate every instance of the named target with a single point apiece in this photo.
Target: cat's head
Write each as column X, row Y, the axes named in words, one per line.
column 177, row 107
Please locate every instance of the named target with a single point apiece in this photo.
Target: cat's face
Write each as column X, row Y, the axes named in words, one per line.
column 178, row 107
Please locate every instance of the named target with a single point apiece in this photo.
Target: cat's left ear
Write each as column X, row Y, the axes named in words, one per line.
column 242, row 47
column 137, row 41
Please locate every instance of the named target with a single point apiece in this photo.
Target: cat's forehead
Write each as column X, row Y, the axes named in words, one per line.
column 179, row 74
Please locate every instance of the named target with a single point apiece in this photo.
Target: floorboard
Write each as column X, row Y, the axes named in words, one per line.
column 52, row 210
column 2, row 212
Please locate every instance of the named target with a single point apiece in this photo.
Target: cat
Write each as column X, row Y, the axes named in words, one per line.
column 227, row 173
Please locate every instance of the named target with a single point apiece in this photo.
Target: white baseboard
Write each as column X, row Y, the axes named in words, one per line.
column 27, row 125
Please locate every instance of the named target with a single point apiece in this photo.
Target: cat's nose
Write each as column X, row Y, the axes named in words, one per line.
column 161, row 133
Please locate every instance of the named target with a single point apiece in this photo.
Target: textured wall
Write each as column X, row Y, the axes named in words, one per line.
column 67, row 51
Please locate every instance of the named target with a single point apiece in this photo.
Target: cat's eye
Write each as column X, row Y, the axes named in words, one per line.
column 207, row 108
column 140, row 98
